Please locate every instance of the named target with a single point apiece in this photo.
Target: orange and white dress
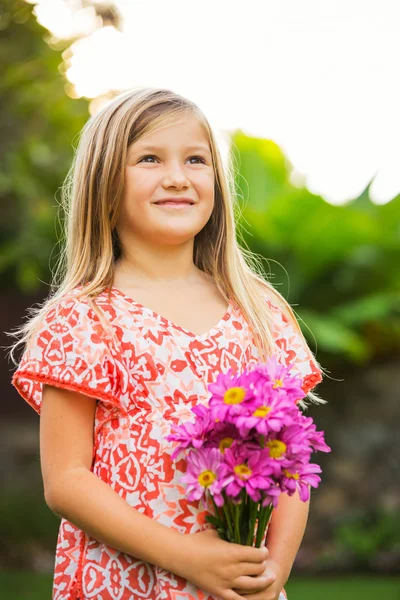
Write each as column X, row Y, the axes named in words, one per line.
column 145, row 377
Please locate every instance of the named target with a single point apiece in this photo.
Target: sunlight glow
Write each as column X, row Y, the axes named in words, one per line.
column 318, row 78
column 94, row 67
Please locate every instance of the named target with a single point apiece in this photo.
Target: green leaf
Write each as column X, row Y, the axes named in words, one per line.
column 213, row 520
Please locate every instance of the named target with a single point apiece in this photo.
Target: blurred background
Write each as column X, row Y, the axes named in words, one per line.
column 305, row 96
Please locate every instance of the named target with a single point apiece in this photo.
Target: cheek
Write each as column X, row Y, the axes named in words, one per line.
column 207, row 181
column 205, row 212
column 136, row 188
column 206, row 191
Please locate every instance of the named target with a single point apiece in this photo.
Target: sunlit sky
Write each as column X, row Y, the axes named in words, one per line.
column 318, row 77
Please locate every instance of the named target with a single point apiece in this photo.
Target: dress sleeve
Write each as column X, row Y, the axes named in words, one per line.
column 292, row 349
column 69, row 351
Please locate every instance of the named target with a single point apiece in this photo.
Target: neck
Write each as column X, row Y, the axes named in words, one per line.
column 157, row 265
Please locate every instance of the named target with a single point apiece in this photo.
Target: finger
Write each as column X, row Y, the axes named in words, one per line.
column 259, row 594
column 251, row 554
column 244, row 583
column 252, row 568
column 256, row 595
column 233, row 595
column 210, row 532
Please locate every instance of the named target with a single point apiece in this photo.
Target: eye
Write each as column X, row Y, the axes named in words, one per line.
column 148, row 156
column 199, row 158
column 152, row 156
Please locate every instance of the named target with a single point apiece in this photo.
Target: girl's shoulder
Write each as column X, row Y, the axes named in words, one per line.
column 73, row 314
column 69, row 348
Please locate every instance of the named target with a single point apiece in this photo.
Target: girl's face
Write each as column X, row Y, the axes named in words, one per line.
column 174, row 161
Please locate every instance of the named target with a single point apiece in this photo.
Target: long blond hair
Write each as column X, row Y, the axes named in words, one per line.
column 91, row 198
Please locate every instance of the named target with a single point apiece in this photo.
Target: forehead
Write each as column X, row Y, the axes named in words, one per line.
column 187, row 133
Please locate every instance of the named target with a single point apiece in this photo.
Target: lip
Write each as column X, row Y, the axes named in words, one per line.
column 176, row 200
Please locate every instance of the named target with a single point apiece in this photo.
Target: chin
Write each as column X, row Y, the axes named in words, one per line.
column 175, row 236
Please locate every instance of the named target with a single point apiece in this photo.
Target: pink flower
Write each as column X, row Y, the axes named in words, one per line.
column 271, row 496
column 222, row 436
column 315, row 438
column 277, row 378
column 203, row 472
column 229, row 394
column 252, row 440
column 248, row 470
column 300, row 476
column 192, row 434
column 266, row 413
column 282, row 448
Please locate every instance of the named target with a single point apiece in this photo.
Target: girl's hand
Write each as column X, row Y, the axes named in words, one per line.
column 224, row 569
column 270, row 591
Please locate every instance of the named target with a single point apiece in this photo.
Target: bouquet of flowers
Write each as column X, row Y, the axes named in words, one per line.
column 249, row 445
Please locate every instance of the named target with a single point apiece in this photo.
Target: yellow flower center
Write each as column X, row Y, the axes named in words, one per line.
column 225, row 443
column 243, row 471
column 278, row 383
column 261, row 411
column 206, row 478
column 291, row 475
column 234, row 395
column 276, row 448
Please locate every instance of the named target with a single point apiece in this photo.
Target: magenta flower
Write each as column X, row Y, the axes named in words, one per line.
column 192, row 434
column 249, row 445
column 266, row 413
column 271, row 496
column 300, row 476
column 222, row 436
column 277, row 378
column 203, row 472
column 315, row 438
column 229, row 394
column 241, row 469
column 296, row 443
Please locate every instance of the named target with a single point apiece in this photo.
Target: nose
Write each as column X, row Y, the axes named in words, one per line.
column 175, row 176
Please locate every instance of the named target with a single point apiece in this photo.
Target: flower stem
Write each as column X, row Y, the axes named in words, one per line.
column 253, row 517
column 263, row 516
column 228, row 517
column 217, row 510
column 237, row 532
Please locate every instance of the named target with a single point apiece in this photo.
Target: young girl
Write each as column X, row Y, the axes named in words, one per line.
column 155, row 299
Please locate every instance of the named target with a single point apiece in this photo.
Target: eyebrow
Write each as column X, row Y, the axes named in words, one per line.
column 200, row 147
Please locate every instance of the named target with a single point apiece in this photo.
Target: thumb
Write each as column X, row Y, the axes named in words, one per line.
column 212, row 532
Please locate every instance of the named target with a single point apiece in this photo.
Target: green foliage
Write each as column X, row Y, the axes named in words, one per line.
column 364, row 535
column 338, row 263
column 341, row 261
column 26, row 516
column 38, row 122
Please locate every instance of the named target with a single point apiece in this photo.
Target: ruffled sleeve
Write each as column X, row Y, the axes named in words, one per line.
column 70, row 351
column 291, row 349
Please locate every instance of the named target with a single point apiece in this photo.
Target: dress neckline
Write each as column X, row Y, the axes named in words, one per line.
column 166, row 321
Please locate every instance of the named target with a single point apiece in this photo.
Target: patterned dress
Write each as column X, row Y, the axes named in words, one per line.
column 145, row 377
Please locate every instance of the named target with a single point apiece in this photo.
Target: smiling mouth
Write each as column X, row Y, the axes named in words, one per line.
column 174, row 203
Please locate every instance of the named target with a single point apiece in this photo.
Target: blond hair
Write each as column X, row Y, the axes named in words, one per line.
column 91, row 198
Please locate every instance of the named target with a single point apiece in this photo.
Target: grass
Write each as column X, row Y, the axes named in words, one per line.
column 16, row 585
column 352, row 587
column 29, row 586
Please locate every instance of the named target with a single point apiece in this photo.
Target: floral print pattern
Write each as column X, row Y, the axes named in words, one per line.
column 146, row 374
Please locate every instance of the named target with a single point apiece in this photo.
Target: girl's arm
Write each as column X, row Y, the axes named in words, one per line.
column 73, row 492
column 285, row 533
